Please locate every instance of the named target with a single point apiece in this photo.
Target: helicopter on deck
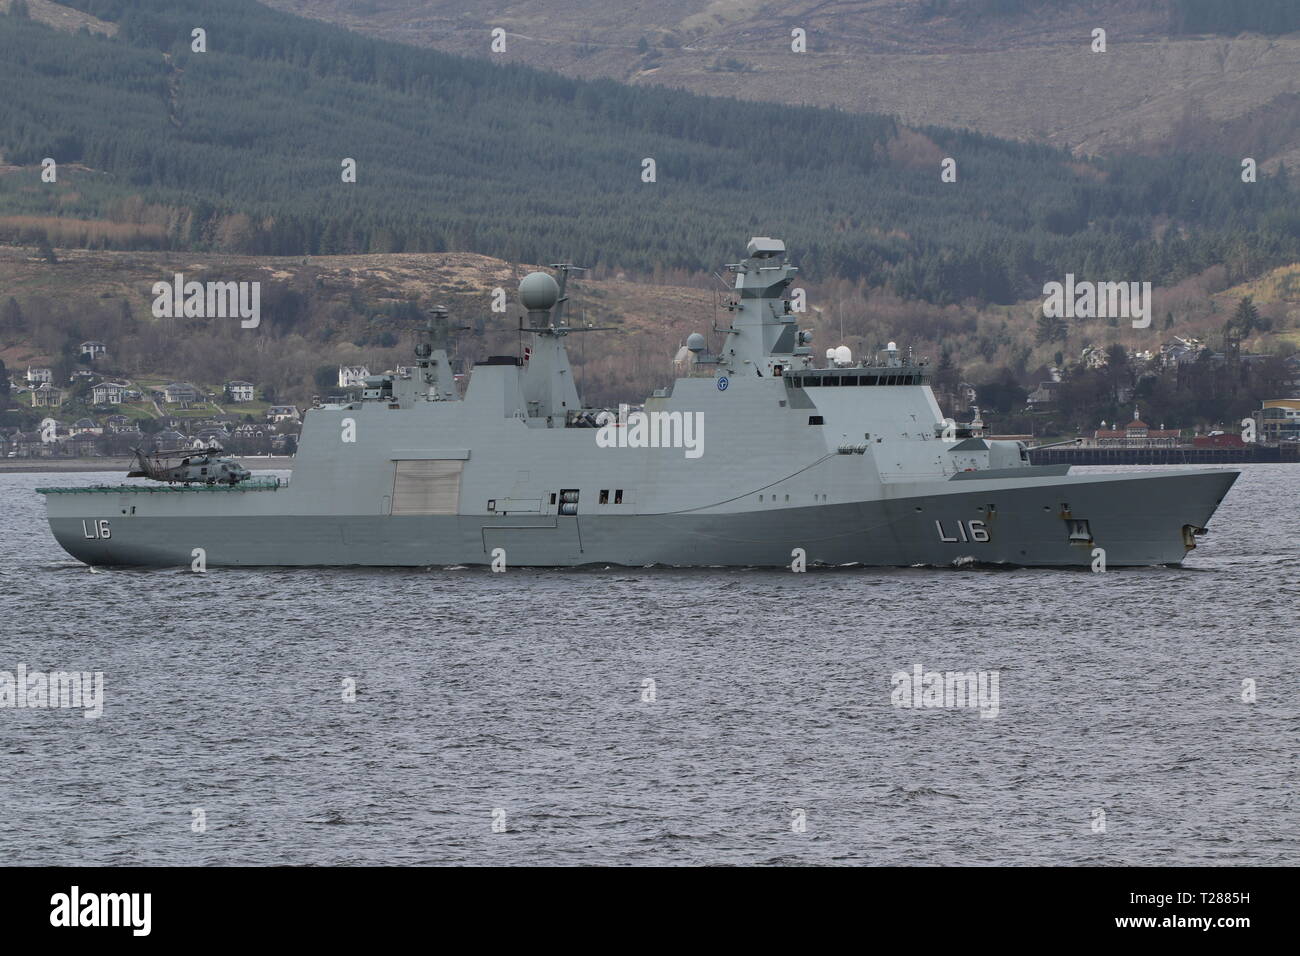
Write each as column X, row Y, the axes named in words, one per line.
column 207, row 467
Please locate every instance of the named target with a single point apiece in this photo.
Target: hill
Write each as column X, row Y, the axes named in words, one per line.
column 323, row 311
column 238, row 149
column 319, row 312
column 1175, row 73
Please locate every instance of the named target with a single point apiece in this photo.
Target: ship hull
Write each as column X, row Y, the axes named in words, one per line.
column 1139, row 520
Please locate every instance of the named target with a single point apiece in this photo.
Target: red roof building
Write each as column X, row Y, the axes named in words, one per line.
column 1136, row 434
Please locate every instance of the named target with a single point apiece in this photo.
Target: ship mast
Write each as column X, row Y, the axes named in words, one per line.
column 763, row 334
column 431, row 355
column 548, row 386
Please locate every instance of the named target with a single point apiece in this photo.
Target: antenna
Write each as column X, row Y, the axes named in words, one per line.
column 564, row 268
column 714, row 328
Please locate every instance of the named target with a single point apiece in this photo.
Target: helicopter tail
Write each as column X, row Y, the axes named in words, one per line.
column 142, row 469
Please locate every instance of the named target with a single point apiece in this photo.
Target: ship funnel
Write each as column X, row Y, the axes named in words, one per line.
column 539, row 292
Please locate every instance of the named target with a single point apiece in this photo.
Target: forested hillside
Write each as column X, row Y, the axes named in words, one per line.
column 1173, row 74
column 1183, row 16
column 238, row 149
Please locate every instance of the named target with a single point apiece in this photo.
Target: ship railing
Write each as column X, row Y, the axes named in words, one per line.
column 253, row 484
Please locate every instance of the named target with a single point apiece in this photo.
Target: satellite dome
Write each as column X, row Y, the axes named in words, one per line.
column 537, row 290
column 843, row 355
column 695, row 342
column 891, row 347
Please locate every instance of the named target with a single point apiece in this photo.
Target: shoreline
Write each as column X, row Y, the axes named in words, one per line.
column 49, row 465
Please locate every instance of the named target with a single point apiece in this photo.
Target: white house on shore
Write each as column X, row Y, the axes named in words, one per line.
column 350, row 376
column 240, row 391
column 109, row 393
column 180, row 393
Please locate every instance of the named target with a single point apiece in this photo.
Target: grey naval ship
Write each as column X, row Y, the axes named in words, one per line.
column 757, row 455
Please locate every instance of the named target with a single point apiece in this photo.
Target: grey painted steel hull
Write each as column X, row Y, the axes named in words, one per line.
column 1143, row 519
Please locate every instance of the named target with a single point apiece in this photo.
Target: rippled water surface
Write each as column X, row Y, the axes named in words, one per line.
column 518, row 697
